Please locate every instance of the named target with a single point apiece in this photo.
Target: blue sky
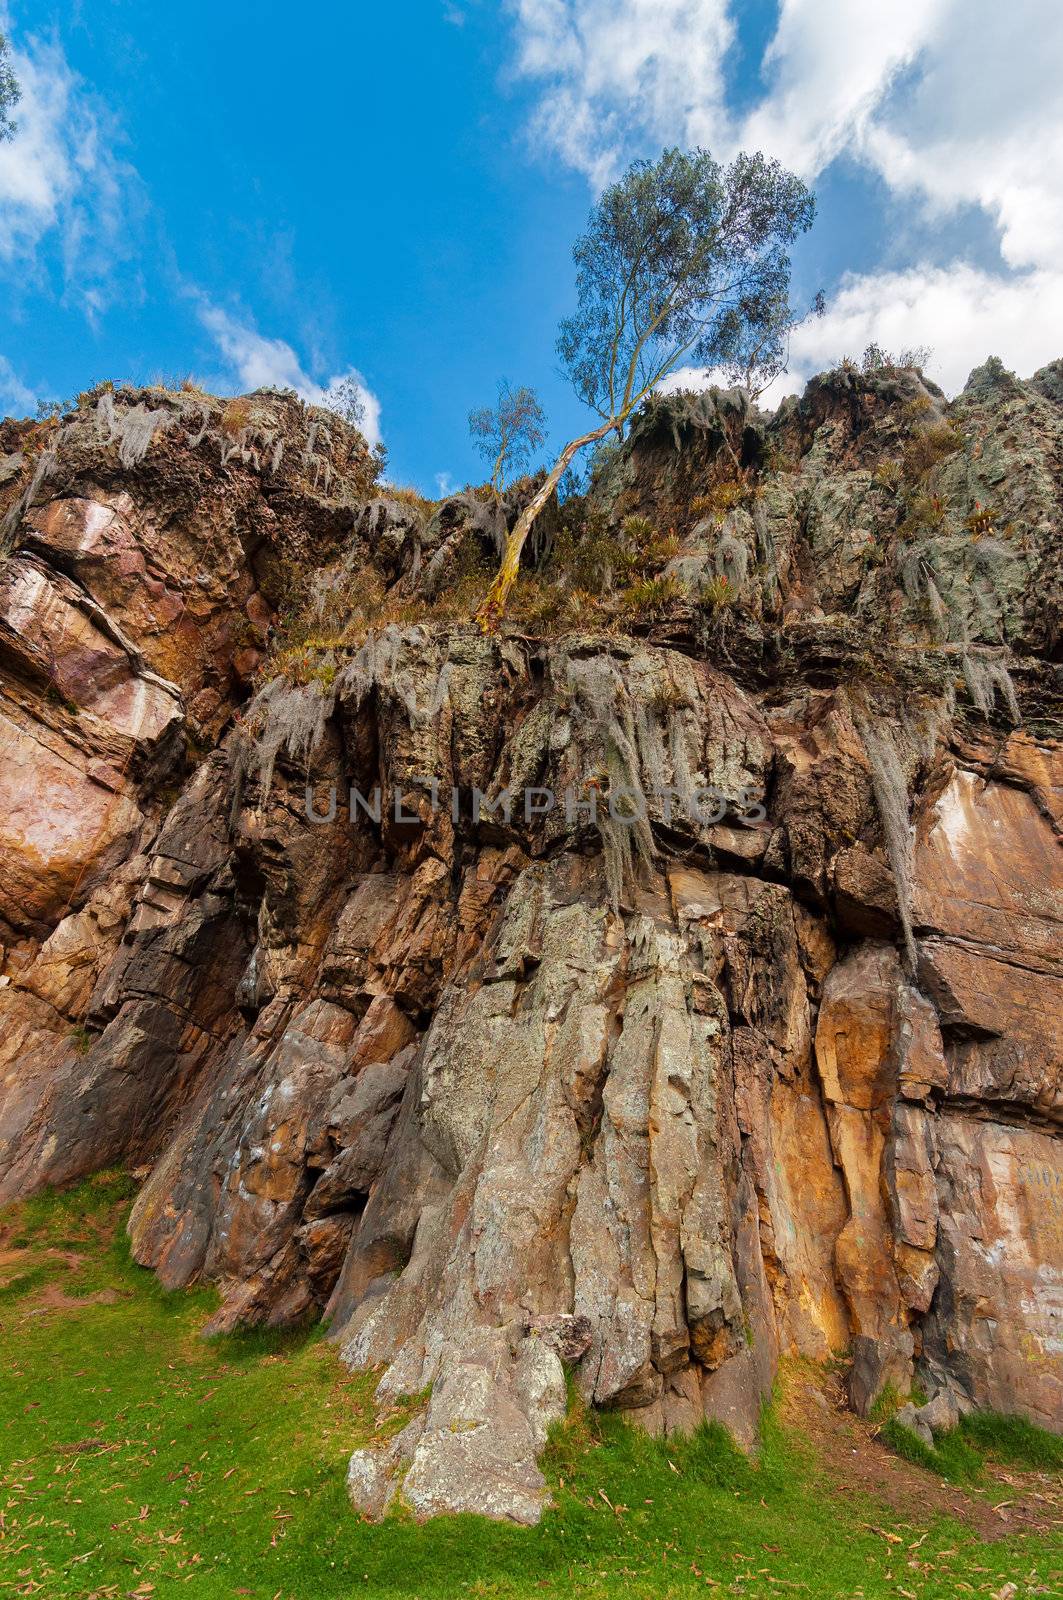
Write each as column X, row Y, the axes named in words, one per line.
column 265, row 193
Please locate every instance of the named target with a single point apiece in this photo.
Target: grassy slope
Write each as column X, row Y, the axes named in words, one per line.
column 135, row 1458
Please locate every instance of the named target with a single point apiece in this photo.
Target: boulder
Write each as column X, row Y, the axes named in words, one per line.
column 913, row 1419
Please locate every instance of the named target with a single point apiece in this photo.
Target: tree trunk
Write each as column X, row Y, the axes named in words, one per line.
column 493, row 607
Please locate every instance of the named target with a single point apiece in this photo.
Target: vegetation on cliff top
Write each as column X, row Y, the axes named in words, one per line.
column 682, row 260
column 137, row 1458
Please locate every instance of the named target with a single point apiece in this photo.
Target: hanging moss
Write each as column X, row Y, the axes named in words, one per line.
column 609, row 745
column 890, row 788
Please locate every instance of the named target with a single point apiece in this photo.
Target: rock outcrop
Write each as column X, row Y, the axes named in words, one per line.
column 746, row 1043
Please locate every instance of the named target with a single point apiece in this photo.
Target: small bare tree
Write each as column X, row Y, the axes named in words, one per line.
column 344, row 398
column 10, row 93
column 683, row 260
column 508, row 433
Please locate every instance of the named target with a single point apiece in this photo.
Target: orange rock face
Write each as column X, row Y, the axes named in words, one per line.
column 989, row 888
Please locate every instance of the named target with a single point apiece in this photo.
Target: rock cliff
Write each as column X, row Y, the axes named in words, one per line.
column 746, row 1044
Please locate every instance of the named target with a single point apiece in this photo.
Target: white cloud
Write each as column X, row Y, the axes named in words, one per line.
column 445, row 485
column 830, row 65
column 961, row 313
column 60, row 177
column 981, row 123
column 954, row 103
column 612, row 68
column 958, row 99
column 15, row 398
column 257, row 362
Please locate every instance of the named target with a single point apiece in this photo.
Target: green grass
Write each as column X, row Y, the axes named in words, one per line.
column 960, row 1456
column 889, row 1401
column 950, row 1457
column 1014, row 1440
column 137, row 1458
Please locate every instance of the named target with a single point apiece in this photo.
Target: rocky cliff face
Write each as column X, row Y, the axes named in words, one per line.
column 766, row 1061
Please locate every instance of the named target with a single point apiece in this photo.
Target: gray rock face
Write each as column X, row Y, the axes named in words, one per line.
column 475, row 1448
column 655, row 1096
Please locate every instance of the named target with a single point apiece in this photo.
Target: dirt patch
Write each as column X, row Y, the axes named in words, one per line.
column 52, row 1297
column 1009, row 1499
column 23, row 1257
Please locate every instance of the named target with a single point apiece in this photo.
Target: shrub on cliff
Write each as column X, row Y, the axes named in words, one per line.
column 875, row 359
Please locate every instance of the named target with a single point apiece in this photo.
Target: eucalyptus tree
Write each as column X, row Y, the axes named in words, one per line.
column 509, row 432
column 683, row 261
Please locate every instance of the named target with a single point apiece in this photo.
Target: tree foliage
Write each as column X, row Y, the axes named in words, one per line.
column 759, row 365
column 10, row 93
column 508, row 433
column 683, row 261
